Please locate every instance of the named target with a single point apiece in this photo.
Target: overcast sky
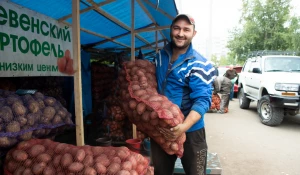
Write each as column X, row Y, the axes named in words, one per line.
column 225, row 15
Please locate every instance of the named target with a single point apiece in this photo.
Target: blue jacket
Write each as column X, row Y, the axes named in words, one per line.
column 187, row 82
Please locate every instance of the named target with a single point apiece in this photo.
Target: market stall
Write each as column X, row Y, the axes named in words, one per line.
column 35, row 33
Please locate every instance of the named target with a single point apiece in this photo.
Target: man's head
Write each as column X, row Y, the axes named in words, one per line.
column 231, row 67
column 182, row 31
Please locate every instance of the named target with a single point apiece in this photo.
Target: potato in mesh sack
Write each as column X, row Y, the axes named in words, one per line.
column 43, row 156
column 29, row 116
column 146, row 108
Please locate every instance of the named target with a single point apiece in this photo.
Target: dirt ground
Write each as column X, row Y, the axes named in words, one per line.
column 247, row 147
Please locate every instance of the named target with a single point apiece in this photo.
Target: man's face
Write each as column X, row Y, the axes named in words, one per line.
column 182, row 33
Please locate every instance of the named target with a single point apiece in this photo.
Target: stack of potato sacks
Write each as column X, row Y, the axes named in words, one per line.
column 146, row 108
column 52, row 158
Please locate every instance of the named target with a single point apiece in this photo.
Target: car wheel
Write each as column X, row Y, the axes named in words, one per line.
column 269, row 115
column 243, row 100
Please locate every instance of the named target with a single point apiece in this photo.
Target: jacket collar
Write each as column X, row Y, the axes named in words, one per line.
column 187, row 54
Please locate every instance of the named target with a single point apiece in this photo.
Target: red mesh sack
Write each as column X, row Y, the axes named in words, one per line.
column 146, row 108
column 215, row 102
column 38, row 156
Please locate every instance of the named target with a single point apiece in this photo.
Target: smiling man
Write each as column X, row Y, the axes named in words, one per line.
column 185, row 77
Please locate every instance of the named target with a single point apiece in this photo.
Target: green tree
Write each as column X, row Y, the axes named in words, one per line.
column 214, row 59
column 263, row 27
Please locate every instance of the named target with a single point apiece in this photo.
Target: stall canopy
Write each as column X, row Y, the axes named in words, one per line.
column 106, row 25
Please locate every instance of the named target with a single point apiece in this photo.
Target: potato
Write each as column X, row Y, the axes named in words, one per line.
column 135, row 87
column 11, row 166
column 24, row 145
column 174, row 110
column 62, row 112
column 123, row 172
column 89, row 171
column 113, row 168
column 66, row 160
column 68, row 121
column 88, row 161
column 141, row 108
column 134, row 78
column 18, row 109
column 28, row 163
column 49, row 170
column 19, row 155
column 6, row 114
column 44, row 158
column 146, row 116
column 122, row 154
column 133, row 161
column 27, row 171
column 160, row 140
column 38, row 168
column 27, row 97
column 133, row 172
column 33, row 106
column 139, row 93
column 116, row 160
column 50, row 101
column 27, row 135
column 80, row 155
column 11, row 99
column 75, row 167
column 41, row 103
column 126, row 166
column 49, row 112
column 36, row 150
column 56, row 160
column 39, row 95
column 130, row 64
column 57, row 119
column 162, row 123
column 174, row 146
column 22, row 121
column 140, row 168
column 155, row 98
column 13, row 126
column 101, row 159
column 31, row 118
column 100, row 169
column 19, row 170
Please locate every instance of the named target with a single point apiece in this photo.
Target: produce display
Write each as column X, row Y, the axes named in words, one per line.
column 38, row 156
column 29, row 116
column 102, row 81
column 146, row 108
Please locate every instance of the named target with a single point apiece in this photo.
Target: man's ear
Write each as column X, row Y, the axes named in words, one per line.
column 195, row 32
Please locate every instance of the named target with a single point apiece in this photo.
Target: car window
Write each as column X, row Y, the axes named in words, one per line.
column 254, row 65
column 282, row 64
column 247, row 66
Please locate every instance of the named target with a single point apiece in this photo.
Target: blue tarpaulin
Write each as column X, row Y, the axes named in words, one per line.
column 106, row 25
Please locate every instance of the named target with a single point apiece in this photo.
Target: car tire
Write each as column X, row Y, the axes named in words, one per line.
column 269, row 115
column 244, row 102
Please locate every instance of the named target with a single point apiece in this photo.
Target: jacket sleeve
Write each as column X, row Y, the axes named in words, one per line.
column 200, row 82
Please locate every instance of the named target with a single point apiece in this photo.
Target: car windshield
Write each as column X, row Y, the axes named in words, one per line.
column 282, row 64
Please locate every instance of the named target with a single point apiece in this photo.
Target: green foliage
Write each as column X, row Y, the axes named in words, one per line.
column 266, row 25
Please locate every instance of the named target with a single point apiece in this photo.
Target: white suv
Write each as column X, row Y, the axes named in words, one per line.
column 274, row 82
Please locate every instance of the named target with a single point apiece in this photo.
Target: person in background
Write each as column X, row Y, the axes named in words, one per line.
column 222, row 85
column 185, row 77
column 231, row 74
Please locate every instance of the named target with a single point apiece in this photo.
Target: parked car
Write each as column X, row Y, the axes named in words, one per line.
column 273, row 81
column 222, row 70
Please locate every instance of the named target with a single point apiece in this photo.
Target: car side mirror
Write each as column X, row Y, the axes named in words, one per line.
column 256, row 70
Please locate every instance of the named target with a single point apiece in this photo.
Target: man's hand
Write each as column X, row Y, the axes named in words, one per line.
column 173, row 133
